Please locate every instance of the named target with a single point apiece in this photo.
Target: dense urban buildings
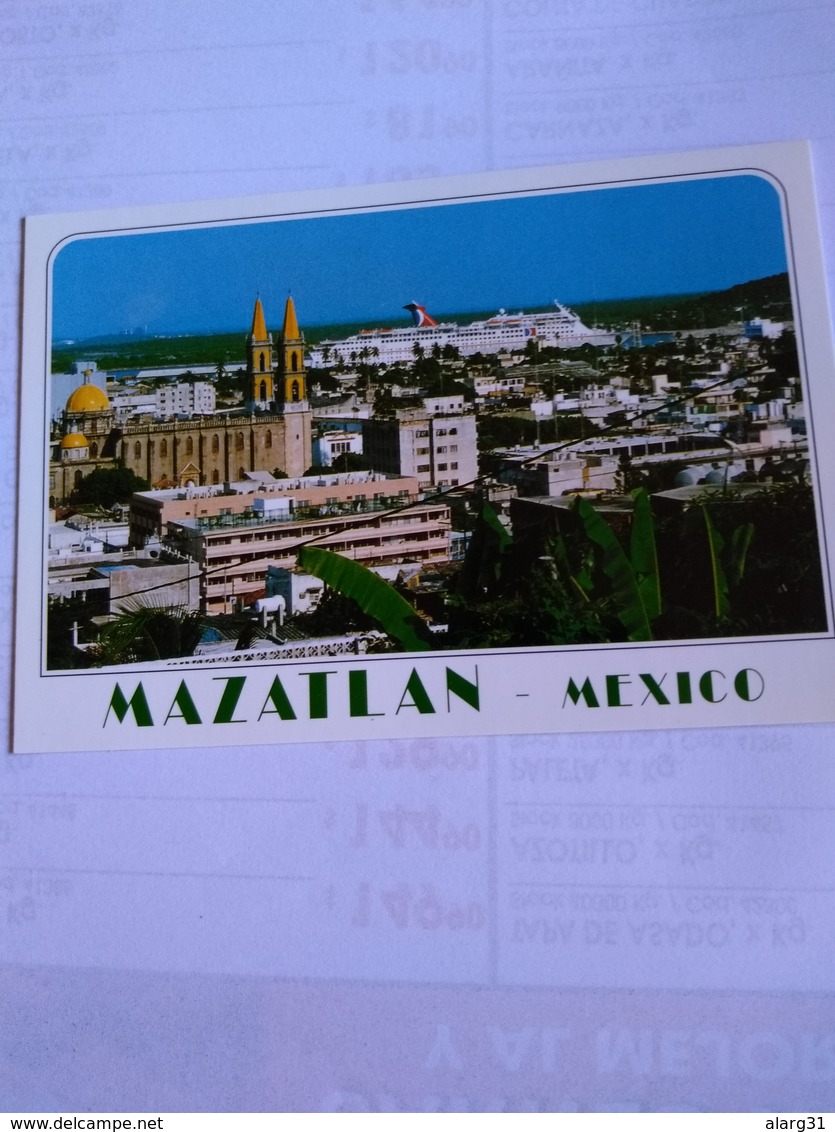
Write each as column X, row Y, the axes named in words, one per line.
column 448, row 462
column 185, row 441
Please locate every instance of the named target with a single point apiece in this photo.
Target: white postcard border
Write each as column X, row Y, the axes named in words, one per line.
column 586, row 688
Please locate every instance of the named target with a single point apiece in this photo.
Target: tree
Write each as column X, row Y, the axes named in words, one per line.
column 335, row 615
column 104, row 487
column 349, row 462
column 149, row 632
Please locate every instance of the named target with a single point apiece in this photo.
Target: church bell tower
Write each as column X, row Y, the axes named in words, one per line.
column 291, row 362
column 259, row 361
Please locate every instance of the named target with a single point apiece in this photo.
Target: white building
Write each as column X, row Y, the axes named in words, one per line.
column 436, row 446
column 763, row 328
column 186, row 398
column 328, row 445
column 300, row 592
column 127, row 403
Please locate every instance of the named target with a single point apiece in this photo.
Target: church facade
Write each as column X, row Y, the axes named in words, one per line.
column 270, row 433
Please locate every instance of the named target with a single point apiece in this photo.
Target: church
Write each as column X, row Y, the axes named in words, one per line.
column 272, row 432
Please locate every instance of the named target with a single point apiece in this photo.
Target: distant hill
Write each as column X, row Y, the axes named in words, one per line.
column 761, row 298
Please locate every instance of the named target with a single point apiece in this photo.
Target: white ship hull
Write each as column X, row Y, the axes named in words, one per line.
column 560, row 327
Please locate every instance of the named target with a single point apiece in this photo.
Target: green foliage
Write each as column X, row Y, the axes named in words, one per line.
column 349, row 462
column 486, row 556
column 106, row 486
column 769, row 555
column 510, row 594
column 373, row 595
column 149, row 632
column 335, row 615
column 644, row 554
column 627, row 591
column 504, row 430
column 732, row 564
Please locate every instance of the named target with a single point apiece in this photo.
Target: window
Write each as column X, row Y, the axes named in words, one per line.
column 422, row 451
column 423, row 467
column 215, row 444
column 239, row 441
column 163, row 447
column 453, row 432
column 268, row 438
column 441, row 448
column 137, row 450
column 453, row 447
column 442, row 467
column 189, row 446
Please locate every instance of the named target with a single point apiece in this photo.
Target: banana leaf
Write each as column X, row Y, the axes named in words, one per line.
column 740, row 542
column 716, row 544
column 489, row 516
column 629, row 604
column 644, row 554
column 374, row 596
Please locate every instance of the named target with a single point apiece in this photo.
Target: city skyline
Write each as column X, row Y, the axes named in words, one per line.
column 686, row 236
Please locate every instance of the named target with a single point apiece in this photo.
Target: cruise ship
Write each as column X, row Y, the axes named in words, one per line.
column 557, row 327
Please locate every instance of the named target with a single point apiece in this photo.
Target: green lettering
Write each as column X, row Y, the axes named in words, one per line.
column 229, row 699
column 420, row 697
column 358, row 694
column 613, row 684
column 742, row 685
column 138, row 704
column 464, row 689
column 280, row 701
column 318, row 693
column 185, row 703
column 586, row 690
column 685, row 692
column 706, row 687
column 655, row 689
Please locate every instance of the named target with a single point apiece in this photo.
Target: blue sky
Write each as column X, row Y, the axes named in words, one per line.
column 655, row 239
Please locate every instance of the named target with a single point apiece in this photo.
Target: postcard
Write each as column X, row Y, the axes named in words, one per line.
column 524, row 452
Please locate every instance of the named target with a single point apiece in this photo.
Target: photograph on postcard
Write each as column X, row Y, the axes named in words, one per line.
column 563, row 417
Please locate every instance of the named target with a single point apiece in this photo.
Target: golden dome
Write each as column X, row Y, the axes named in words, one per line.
column 88, row 399
column 74, row 440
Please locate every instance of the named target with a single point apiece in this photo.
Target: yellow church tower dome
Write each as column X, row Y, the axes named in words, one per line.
column 74, row 440
column 88, row 398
